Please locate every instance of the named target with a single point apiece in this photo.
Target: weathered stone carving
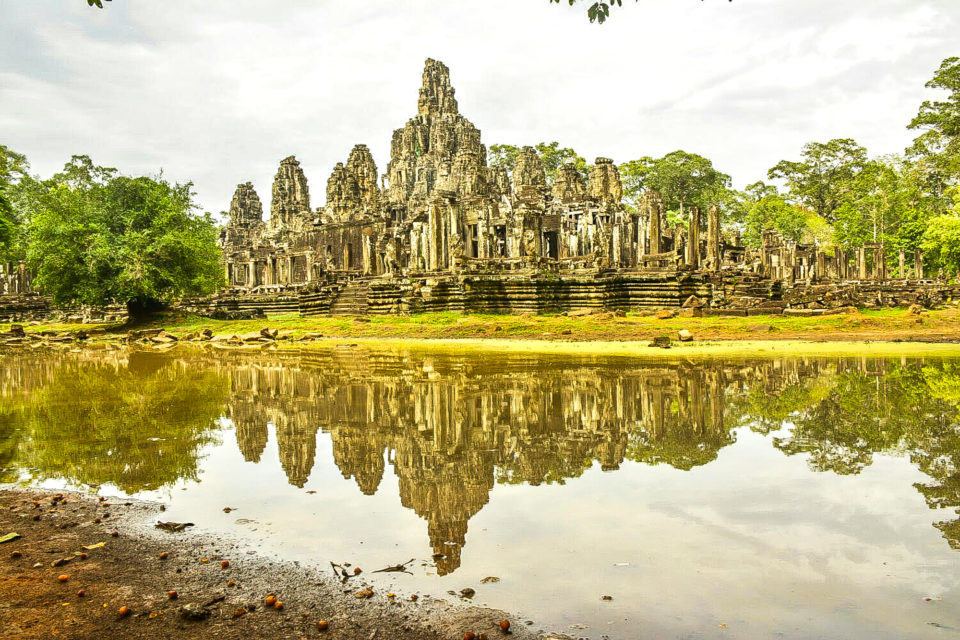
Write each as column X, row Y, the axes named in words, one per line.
column 291, row 197
column 568, row 186
column 343, row 195
column 245, row 208
column 528, row 170
column 361, row 166
column 604, row 183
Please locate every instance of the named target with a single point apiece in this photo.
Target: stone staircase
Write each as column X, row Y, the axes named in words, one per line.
column 353, row 300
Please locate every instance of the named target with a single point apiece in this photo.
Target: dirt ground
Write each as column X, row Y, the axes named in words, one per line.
column 212, row 601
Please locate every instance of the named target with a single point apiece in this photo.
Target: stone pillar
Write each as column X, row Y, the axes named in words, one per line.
column 918, row 264
column 693, row 238
column 414, row 249
column 654, row 207
column 879, row 264
column 435, row 240
column 713, row 237
column 308, row 257
column 22, row 278
column 616, row 258
column 366, row 246
column 861, row 264
column 252, row 275
column 902, row 260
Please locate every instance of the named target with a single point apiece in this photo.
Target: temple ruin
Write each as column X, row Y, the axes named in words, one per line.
column 441, row 230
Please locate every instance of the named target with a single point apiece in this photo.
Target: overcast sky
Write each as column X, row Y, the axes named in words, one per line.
column 219, row 91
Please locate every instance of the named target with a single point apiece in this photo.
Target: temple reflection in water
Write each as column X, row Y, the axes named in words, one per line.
column 452, row 427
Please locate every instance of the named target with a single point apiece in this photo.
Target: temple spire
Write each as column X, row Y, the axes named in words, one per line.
column 436, row 94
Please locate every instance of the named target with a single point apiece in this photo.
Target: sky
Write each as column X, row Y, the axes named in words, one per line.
column 217, row 92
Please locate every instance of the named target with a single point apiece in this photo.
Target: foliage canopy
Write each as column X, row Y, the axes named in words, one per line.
column 552, row 155
column 97, row 237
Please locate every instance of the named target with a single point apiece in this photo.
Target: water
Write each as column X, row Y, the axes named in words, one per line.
column 792, row 498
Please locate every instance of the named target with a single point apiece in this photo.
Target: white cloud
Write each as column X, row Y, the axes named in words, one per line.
column 218, row 92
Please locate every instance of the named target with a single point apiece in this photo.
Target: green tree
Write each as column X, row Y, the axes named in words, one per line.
column 503, row 155
column 552, row 155
column 683, row 179
column 633, row 176
column 825, row 175
column 940, row 122
column 764, row 208
column 140, row 427
column 13, row 167
column 889, row 202
column 941, row 243
column 96, row 237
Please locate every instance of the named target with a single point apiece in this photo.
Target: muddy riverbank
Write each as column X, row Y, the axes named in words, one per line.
column 83, row 567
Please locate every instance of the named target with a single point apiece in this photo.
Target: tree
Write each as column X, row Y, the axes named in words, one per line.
column 682, row 179
column 889, row 202
column 940, row 122
column 761, row 207
column 503, row 155
column 139, row 427
column 824, row 177
column 633, row 177
column 96, row 237
column 941, row 243
column 598, row 12
column 552, row 155
column 13, row 167
column 7, row 225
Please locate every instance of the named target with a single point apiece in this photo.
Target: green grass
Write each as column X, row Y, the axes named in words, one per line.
column 887, row 324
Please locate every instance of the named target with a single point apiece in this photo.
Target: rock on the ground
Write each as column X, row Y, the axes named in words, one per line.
column 662, row 342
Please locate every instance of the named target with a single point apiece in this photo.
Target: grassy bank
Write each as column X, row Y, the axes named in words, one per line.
column 885, row 325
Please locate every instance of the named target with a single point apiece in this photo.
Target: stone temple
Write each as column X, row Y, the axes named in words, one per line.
column 438, row 208
column 441, row 230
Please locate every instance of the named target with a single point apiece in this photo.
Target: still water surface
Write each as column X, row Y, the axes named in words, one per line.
column 789, row 498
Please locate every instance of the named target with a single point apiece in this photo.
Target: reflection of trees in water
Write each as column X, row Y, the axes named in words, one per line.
column 452, row 427
column 875, row 406
column 136, row 420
